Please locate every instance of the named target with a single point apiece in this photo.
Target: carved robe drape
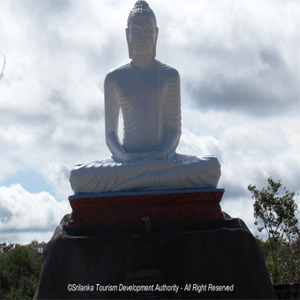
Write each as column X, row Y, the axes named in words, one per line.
column 150, row 102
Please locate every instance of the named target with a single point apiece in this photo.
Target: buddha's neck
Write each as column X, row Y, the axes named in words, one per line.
column 142, row 62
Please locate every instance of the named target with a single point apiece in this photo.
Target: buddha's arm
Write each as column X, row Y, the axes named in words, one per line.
column 172, row 117
column 171, row 143
column 112, row 108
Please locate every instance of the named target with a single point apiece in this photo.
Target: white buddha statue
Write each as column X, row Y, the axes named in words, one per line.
column 148, row 94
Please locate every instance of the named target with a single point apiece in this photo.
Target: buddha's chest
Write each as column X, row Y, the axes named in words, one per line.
column 140, row 85
column 142, row 102
column 142, row 97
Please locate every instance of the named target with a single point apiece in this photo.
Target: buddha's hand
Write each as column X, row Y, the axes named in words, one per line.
column 160, row 155
column 130, row 157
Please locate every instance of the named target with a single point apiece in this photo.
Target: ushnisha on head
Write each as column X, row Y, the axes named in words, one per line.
column 141, row 7
column 141, row 31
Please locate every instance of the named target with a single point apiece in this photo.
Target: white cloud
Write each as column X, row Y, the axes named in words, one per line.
column 8, row 168
column 250, row 150
column 242, row 55
column 22, row 212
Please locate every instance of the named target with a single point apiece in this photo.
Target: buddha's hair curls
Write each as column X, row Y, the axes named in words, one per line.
column 141, row 7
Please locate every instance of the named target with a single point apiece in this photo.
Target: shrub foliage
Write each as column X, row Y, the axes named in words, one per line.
column 277, row 216
column 20, row 266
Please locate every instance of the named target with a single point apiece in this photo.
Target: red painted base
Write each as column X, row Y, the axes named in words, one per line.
column 132, row 209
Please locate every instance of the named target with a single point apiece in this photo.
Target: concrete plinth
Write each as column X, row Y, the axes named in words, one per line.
column 183, row 260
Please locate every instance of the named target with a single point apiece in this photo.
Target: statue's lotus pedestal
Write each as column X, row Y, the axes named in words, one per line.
column 156, row 249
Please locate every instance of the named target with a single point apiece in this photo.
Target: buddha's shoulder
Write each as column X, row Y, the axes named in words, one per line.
column 125, row 71
column 115, row 74
column 167, row 71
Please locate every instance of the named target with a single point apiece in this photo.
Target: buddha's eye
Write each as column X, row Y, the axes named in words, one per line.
column 149, row 29
column 135, row 31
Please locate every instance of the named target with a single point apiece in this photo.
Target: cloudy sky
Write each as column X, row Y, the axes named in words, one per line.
column 239, row 63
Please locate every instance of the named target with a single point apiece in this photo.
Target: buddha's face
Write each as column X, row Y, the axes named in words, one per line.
column 141, row 36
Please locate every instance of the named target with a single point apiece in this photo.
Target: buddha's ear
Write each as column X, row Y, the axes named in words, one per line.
column 156, row 36
column 128, row 42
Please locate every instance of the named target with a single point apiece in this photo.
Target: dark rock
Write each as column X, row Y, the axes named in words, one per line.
column 287, row 291
column 200, row 256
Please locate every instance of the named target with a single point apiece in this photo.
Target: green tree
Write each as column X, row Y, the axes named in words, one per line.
column 5, row 247
column 265, row 248
column 277, row 215
column 20, row 268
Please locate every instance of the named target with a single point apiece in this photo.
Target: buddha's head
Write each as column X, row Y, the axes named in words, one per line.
column 141, row 31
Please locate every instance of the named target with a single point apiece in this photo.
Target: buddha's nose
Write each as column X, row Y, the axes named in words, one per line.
column 142, row 35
